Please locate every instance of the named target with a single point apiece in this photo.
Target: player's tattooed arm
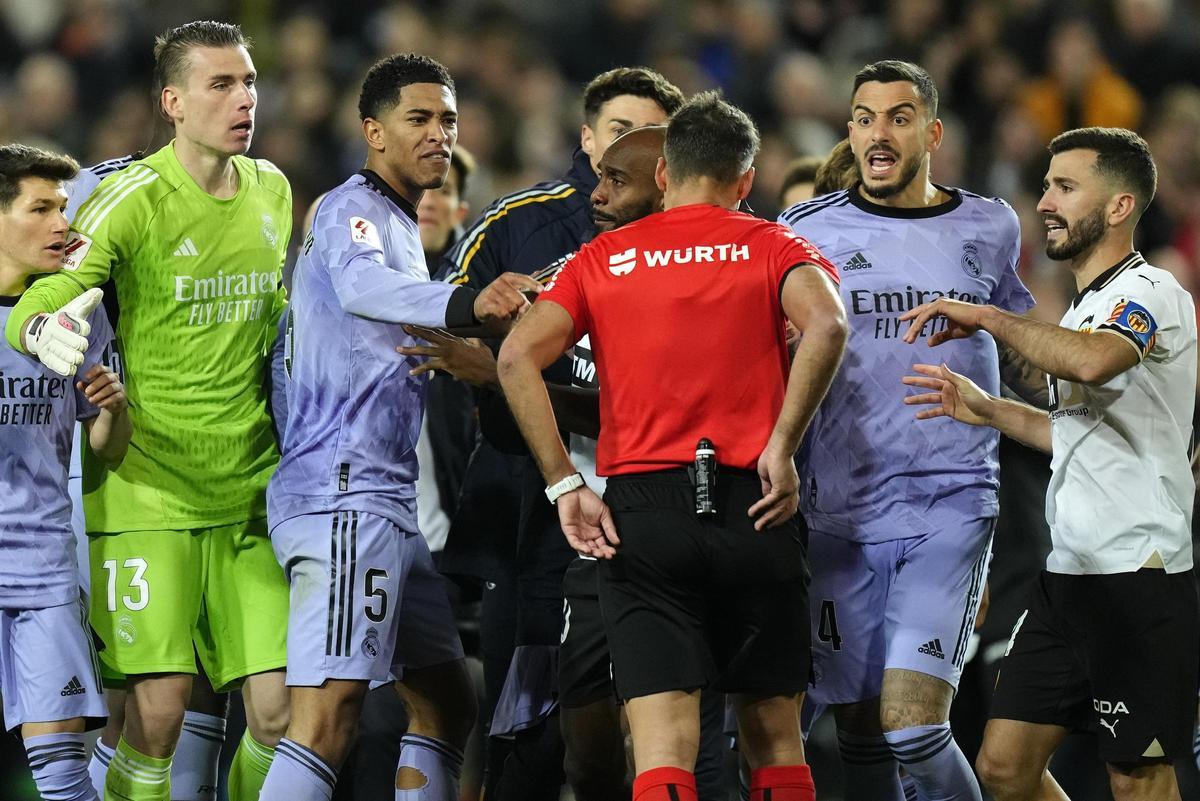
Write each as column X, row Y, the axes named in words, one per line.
column 1023, row 377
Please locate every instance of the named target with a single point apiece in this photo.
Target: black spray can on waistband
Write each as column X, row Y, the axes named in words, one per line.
column 706, row 478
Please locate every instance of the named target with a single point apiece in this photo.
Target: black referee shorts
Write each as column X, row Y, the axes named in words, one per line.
column 692, row 602
column 1116, row 655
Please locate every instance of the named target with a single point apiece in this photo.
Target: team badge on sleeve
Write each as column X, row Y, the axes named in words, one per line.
column 76, row 250
column 1135, row 322
column 364, row 232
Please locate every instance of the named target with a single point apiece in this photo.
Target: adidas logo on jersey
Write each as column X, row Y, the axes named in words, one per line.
column 933, row 648
column 187, row 248
column 857, row 262
column 74, row 687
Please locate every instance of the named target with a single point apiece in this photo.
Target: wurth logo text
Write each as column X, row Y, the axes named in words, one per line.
column 623, row 263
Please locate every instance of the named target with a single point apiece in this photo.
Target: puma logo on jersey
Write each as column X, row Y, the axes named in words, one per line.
column 1112, row 727
column 1150, row 280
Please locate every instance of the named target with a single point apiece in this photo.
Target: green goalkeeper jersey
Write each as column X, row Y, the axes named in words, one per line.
column 198, row 290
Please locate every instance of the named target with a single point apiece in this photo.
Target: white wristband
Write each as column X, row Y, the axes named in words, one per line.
column 568, row 484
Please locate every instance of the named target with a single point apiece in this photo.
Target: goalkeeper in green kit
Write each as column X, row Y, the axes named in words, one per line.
column 193, row 237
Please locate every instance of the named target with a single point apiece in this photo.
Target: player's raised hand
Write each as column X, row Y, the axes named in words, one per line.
column 587, row 523
column 103, row 388
column 505, row 298
column 466, row 359
column 952, row 395
column 59, row 340
column 962, row 320
column 780, row 489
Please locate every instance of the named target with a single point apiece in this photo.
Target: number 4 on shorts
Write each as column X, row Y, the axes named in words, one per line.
column 827, row 630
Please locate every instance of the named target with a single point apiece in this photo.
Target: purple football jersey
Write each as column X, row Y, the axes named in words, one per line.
column 870, row 472
column 353, row 411
column 38, row 410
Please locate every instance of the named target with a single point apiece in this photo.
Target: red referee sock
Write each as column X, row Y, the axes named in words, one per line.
column 782, row 783
column 665, row 784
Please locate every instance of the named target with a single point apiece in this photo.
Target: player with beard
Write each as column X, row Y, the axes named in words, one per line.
column 527, row 231
column 691, row 601
column 595, row 753
column 1107, row 643
column 901, row 517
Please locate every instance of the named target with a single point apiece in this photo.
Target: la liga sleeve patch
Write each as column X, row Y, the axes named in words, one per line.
column 1135, row 322
column 364, row 232
column 76, row 250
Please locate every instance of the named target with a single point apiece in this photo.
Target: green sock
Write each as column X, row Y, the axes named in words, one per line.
column 249, row 769
column 133, row 776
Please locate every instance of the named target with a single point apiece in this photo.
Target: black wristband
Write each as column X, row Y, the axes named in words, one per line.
column 460, row 309
column 34, row 327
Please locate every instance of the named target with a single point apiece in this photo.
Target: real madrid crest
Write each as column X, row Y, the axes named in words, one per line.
column 970, row 260
column 268, row 231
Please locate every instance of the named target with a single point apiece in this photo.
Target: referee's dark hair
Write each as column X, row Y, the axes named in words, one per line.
column 1122, row 158
column 891, row 70
column 710, row 138
column 635, row 81
column 381, row 88
column 18, row 162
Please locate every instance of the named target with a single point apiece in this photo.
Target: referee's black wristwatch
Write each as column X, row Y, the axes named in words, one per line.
column 568, row 484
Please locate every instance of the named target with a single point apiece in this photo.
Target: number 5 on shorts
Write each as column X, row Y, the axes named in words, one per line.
column 371, row 591
column 137, row 583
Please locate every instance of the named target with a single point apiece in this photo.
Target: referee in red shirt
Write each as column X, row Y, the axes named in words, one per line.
column 685, row 310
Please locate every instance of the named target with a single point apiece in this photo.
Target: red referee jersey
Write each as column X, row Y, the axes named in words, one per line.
column 686, row 326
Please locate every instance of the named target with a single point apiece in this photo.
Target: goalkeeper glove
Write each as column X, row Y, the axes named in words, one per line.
column 59, row 340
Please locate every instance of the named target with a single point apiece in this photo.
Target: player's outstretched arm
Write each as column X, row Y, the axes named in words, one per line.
column 467, row 360
column 953, row 395
column 1079, row 356
column 536, row 341
column 1023, row 378
column 812, row 304
column 108, row 432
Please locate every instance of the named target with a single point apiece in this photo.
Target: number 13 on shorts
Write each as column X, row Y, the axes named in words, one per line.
column 138, row 595
column 146, row 598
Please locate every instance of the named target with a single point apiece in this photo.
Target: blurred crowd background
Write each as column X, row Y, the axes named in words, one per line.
column 75, row 75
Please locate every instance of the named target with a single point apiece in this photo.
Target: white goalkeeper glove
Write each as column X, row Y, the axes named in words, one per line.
column 59, row 340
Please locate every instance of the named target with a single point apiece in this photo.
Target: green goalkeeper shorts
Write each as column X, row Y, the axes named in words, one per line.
column 156, row 595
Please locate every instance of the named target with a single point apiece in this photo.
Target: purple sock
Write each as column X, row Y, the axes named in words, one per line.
column 98, row 767
column 935, row 763
column 437, row 760
column 60, row 767
column 298, row 774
